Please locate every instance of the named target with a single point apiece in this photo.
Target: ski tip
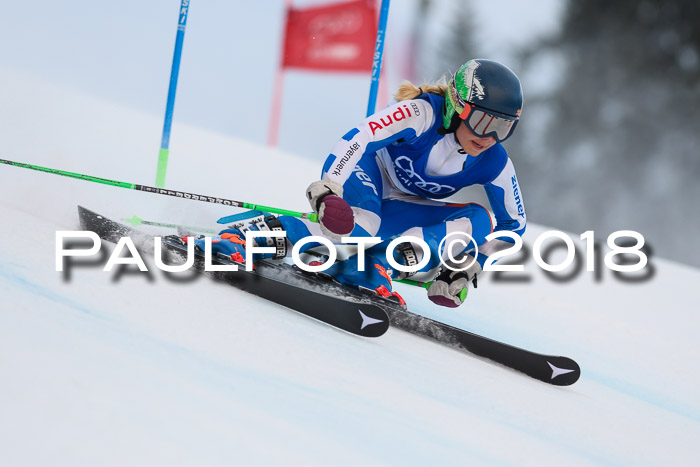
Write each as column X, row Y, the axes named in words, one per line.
column 374, row 321
column 561, row 371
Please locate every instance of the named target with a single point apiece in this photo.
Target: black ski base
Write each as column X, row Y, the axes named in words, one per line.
column 550, row 369
column 362, row 319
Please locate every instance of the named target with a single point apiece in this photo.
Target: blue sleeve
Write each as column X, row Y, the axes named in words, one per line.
column 507, row 201
column 405, row 120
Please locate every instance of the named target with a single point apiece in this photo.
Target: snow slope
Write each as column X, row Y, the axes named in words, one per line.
column 140, row 369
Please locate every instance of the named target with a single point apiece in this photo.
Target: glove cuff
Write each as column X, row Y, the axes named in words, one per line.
column 471, row 273
column 320, row 189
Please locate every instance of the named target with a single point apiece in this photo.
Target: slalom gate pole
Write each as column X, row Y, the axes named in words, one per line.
column 372, row 103
column 313, row 217
column 172, row 89
column 378, row 55
column 273, row 126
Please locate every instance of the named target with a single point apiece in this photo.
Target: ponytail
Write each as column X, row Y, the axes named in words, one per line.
column 409, row 91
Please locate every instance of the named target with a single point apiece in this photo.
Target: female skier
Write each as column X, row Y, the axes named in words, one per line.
column 383, row 177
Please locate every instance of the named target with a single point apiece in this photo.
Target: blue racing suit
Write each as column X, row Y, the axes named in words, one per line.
column 396, row 165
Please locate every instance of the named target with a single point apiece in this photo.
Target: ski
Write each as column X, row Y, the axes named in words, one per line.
column 362, row 319
column 550, row 369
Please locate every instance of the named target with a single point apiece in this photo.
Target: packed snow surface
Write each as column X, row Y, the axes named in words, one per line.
column 130, row 368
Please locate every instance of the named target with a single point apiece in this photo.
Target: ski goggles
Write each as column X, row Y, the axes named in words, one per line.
column 485, row 123
column 480, row 121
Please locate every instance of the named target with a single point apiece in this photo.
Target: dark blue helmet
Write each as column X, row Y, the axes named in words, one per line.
column 487, row 96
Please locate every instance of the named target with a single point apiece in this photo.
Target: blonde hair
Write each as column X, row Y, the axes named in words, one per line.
column 408, row 90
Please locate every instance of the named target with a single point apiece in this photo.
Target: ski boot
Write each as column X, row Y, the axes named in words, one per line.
column 231, row 242
column 377, row 274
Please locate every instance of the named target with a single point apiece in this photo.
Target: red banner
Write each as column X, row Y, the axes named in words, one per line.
column 338, row 37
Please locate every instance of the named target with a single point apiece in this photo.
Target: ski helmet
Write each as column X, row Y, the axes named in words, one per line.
column 486, row 96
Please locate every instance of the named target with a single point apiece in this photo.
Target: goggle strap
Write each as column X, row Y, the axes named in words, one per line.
column 465, row 113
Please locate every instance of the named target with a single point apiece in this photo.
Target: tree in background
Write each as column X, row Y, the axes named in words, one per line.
column 458, row 44
column 615, row 143
column 444, row 38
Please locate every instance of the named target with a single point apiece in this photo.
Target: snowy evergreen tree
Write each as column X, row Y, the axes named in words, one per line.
column 618, row 135
column 458, row 45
